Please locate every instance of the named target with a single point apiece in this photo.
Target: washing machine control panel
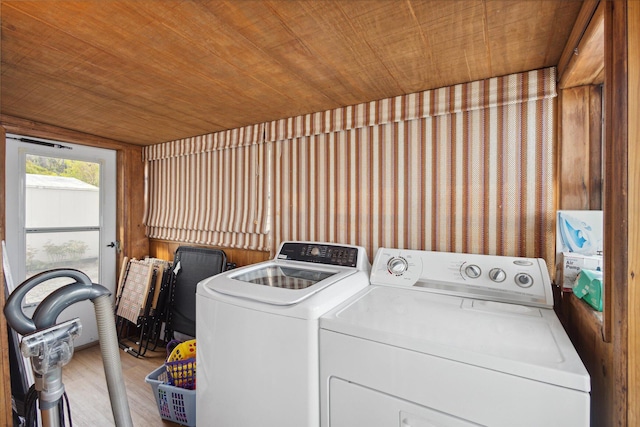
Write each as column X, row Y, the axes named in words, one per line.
column 490, row 277
column 321, row 253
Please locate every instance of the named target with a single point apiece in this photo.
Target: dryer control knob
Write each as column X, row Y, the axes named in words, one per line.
column 397, row 265
column 524, row 280
column 497, row 275
column 473, row 271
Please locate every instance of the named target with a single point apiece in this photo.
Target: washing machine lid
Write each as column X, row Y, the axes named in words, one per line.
column 277, row 282
column 282, row 276
column 298, row 271
column 514, row 339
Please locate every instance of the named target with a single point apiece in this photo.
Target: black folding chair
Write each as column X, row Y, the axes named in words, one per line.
column 190, row 266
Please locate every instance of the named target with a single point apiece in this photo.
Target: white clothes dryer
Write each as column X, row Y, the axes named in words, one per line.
column 447, row 339
column 257, row 333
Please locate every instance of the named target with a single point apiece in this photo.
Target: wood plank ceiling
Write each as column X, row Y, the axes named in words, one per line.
column 149, row 71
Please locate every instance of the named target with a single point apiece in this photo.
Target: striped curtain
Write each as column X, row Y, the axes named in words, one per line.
column 467, row 168
column 210, row 190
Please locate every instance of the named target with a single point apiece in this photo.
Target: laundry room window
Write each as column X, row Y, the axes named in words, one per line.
column 210, row 190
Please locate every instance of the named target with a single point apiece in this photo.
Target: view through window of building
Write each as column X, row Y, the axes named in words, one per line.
column 62, row 219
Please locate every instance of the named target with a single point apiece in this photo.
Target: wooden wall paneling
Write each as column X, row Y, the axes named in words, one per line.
column 579, row 164
column 164, row 249
column 595, row 147
column 5, row 382
column 579, row 187
column 584, row 327
column 603, row 342
column 633, row 242
column 130, row 229
column 616, row 230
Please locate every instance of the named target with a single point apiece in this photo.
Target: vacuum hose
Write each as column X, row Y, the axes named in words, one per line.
column 111, row 361
column 47, row 312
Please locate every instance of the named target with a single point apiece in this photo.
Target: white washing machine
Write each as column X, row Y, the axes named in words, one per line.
column 257, row 333
column 447, row 339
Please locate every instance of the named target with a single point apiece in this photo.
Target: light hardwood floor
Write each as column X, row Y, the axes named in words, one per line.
column 86, row 387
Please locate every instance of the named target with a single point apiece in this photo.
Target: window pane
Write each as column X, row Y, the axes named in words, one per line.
column 46, row 251
column 61, row 193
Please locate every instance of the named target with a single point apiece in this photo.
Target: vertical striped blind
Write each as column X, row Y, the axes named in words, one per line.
column 210, row 189
column 466, row 168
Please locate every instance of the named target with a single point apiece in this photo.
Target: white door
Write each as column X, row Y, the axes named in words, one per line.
column 60, row 213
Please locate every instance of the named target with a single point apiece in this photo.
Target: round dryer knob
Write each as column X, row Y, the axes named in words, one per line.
column 473, row 271
column 524, row 280
column 397, row 265
column 497, row 275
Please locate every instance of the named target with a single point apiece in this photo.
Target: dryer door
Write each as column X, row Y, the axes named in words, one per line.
column 354, row 405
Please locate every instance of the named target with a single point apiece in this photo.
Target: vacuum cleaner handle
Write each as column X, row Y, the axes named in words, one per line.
column 47, row 312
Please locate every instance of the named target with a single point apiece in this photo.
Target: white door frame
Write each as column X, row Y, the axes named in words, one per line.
column 16, row 152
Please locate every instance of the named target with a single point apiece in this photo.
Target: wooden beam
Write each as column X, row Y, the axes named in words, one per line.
column 579, row 28
column 586, row 65
column 28, row 127
column 633, row 237
column 616, row 204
